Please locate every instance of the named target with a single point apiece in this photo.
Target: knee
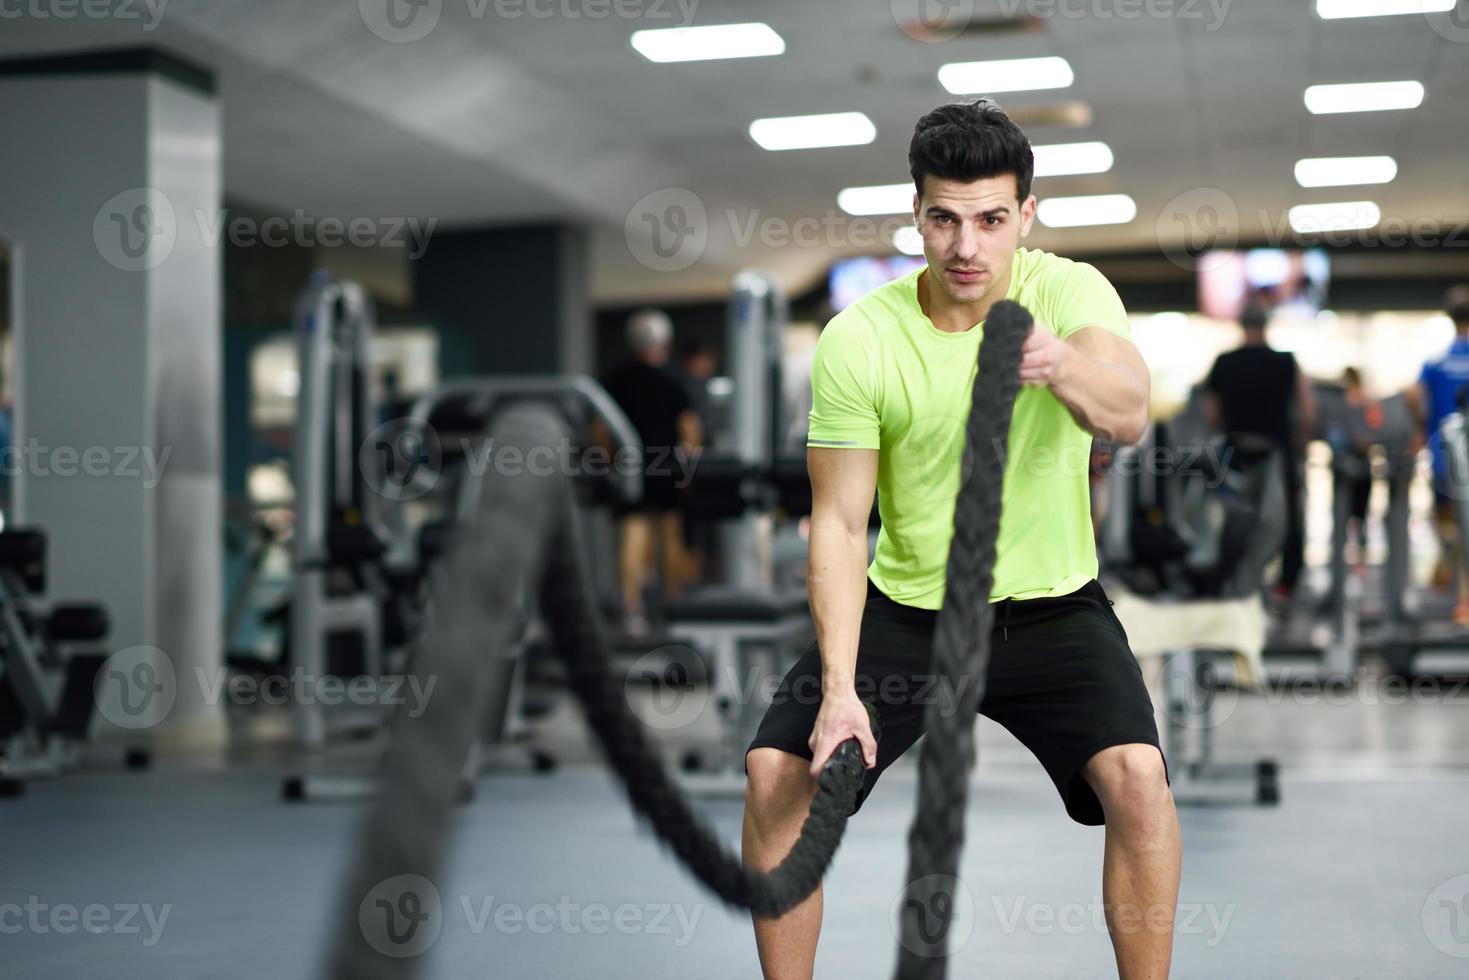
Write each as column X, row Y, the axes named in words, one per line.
column 777, row 784
column 1130, row 779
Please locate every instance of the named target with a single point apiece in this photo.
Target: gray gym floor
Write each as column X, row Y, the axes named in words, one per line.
column 1353, row 875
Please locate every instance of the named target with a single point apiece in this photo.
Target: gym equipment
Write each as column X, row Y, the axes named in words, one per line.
column 450, row 424
column 746, row 627
column 335, row 547
column 1193, row 677
column 1185, row 528
column 525, row 541
column 50, row 658
column 1430, row 643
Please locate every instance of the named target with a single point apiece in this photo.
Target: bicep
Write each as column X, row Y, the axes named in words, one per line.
column 843, row 482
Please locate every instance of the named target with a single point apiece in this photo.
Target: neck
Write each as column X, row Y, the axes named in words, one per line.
column 950, row 315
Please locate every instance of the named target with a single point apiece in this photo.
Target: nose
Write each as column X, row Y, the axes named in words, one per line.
column 966, row 243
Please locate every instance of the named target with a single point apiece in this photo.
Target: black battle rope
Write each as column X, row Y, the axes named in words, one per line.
column 525, row 539
column 960, row 656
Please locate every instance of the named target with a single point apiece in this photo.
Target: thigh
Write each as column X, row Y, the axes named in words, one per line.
column 892, row 675
column 1068, row 687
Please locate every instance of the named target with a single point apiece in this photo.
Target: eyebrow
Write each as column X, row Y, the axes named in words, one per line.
column 1003, row 209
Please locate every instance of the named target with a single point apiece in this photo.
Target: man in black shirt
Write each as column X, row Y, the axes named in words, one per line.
column 1258, row 391
column 658, row 406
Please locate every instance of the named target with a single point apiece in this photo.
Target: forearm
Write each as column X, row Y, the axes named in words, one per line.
column 1106, row 399
column 837, row 585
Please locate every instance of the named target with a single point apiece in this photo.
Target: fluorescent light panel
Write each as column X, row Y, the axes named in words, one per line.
column 807, row 132
column 1343, row 171
column 1007, row 75
column 1092, row 209
column 1066, row 159
column 708, row 43
column 1306, row 219
column 877, row 199
column 1363, row 97
column 908, row 240
column 1343, row 9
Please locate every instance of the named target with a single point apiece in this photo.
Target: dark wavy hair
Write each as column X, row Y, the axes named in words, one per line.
column 966, row 141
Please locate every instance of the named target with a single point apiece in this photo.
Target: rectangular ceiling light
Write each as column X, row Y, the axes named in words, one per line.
column 1343, row 9
column 1065, row 159
column 1342, row 171
column 1307, row 219
column 908, row 240
column 1364, row 97
column 807, row 132
column 1007, row 75
column 877, row 199
column 708, row 43
column 1093, row 209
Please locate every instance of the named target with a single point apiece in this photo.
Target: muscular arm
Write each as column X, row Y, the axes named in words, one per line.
column 843, row 482
column 1099, row 376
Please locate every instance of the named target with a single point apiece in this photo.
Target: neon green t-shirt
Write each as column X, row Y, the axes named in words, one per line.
column 885, row 378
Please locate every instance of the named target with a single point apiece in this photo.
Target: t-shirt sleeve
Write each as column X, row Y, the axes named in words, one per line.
column 844, row 387
column 1084, row 298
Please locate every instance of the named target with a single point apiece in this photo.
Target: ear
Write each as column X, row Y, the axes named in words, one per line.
column 1027, row 215
column 916, row 202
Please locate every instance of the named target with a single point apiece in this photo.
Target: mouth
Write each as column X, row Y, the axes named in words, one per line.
column 966, row 275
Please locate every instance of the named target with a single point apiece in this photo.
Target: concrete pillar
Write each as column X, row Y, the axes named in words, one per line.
column 112, row 170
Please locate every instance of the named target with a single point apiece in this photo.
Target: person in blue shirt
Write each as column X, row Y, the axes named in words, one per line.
column 1441, row 389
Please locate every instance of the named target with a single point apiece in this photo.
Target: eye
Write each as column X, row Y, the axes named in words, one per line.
column 943, row 219
column 994, row 221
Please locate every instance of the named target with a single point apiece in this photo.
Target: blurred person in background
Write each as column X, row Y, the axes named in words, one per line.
column 697, row 364
column 1439, row 392
column 1356, row 449
column 650, row 534
column 1257, row 391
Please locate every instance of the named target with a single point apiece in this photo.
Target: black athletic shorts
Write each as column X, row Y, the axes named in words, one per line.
column 1061, row 679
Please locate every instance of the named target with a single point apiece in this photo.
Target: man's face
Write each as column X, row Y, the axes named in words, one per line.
column 970, row 232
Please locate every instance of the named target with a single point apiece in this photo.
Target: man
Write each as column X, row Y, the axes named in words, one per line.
column 1257, row 392
column 658, row 407
column 891, row 386
column 1439, row 392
